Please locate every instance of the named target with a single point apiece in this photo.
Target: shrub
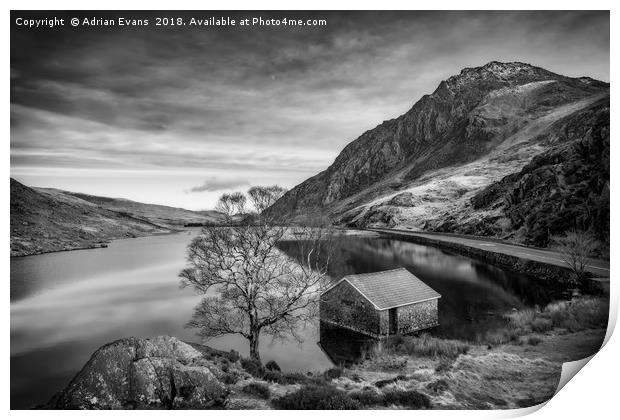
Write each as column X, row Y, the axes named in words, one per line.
column 394, row 341
column 272, row 376
column 272, row 365
column 591, row 312
column 533, row 340
column 229, row 378
column 521, row 319
column 333, row 373
column 541, row 325
column 579, row 314
column 233, row 356
column 409, row 399
column 383, row 382
column 502, row 336
column 367, row 397
column 312, row 397
column 253, row 367
column 290, row 378
column 575, row 315
column 438, row 386
column 258, row 389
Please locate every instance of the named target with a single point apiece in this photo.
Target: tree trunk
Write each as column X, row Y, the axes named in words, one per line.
column 254, row 335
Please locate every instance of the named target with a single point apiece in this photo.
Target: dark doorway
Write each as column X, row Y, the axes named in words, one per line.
column 393, row 321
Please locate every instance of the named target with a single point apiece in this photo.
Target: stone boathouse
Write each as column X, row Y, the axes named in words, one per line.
column 381, row 303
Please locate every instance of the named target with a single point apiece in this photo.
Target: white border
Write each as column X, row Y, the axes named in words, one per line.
column 592, row 395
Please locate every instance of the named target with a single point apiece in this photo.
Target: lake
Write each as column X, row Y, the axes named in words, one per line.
column 65, row 305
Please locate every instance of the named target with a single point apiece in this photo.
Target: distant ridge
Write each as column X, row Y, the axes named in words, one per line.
column 48, row 220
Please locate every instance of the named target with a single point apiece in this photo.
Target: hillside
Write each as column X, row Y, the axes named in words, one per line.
column 436, row 166
column 154, row 213
column 47, row 220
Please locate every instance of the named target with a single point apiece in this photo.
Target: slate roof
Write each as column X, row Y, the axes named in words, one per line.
column 391, row 288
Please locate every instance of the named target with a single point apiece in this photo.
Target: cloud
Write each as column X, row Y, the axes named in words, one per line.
column 256, row 102
column 216, row 184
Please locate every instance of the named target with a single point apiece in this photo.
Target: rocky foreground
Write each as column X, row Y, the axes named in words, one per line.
column 517, row 367
column 162, row 372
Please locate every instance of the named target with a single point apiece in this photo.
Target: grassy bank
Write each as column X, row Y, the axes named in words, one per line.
column 518, row 365
column 526, row 326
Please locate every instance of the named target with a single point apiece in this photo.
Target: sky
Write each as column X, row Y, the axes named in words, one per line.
column 178, row 115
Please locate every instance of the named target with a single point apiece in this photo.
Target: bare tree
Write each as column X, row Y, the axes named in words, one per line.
column 232, row 204
column 264, row 197
column 252, row 286
column 576, row 247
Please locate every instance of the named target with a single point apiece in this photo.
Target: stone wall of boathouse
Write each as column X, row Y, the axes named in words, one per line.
column 415, row 317
column 411, row 318
column 344, row 306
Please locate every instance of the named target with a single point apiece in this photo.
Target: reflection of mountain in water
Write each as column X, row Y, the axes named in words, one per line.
column 474, row 294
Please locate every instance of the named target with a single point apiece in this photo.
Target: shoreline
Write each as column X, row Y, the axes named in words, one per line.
column 103, row 243
column 538, row 269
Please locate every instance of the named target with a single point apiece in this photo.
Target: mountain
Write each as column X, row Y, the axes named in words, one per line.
column 442, row 165
column 47, row 220
column 161, row 215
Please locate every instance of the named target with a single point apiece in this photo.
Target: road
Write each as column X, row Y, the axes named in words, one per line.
column 599, row 268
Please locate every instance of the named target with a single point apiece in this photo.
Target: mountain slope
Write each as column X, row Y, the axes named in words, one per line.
column 566, row 187
column 154, row 213
column 422, row 169
column 46, row 220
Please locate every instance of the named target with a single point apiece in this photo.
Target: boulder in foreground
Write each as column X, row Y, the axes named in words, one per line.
column 161, row 372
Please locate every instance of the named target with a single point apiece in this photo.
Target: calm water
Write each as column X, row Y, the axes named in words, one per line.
column 65, row 305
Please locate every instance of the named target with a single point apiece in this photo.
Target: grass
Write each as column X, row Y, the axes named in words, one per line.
column 444, row 365
column 424, row 345
column 579, row 314
column 313, row 397
column 575, row 315
column 271, row 373
column 541, row 325
column 494, row 379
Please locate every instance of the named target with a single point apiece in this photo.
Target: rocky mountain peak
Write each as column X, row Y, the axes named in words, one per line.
column 496, row 72
column 467, row 117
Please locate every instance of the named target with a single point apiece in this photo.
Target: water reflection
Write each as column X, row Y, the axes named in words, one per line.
column 343, row 347
column 66, row 305
column 474, row 294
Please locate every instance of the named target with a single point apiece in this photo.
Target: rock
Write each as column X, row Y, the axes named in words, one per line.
column 563, row 188
column 379, row 216
column 405, row 199
column 162, row 372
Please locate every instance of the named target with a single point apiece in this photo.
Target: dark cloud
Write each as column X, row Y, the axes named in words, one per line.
column 215, row 184
column 269, row 100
